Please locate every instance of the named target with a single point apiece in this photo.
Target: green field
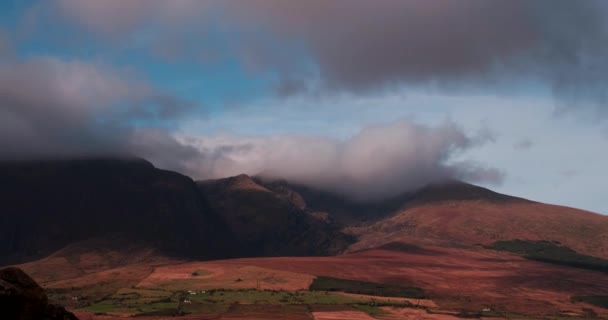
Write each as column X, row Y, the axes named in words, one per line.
column 162, row 302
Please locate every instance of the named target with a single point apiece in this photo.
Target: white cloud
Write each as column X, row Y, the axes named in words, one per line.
column 381, row 160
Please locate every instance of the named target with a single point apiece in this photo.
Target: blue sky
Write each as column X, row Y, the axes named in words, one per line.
column 322, row 94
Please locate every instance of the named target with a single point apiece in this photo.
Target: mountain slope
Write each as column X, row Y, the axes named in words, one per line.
column 48, row 205
column 452, row 213
column 334, row 207
column 482, row 220
column 267, row 224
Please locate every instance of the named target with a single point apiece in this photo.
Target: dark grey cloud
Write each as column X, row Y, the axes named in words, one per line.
column 55, row 108
column 366, row 45
column 361, row 46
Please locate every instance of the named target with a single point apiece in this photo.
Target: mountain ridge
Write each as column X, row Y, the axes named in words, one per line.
column 53, row 204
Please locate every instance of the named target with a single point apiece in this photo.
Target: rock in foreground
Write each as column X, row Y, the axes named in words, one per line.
column 21, row 298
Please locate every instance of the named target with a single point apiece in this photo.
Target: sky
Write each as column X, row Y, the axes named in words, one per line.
column 370, row 99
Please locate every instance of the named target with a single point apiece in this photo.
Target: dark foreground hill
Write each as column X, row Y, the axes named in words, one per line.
column 48, row 205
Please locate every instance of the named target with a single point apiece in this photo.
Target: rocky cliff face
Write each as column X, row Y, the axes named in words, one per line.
column 21, row 298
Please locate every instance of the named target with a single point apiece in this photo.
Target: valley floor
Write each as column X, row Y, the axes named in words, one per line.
column 456, row 282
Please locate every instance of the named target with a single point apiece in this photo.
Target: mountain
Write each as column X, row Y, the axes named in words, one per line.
column 452, row 213
column 266, row 223
column 48, row 205
column 123, row 203
column 460, row 214
column 122, row 237
column 332, row 206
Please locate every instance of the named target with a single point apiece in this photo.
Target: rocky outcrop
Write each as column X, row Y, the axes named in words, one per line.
column 21, row 298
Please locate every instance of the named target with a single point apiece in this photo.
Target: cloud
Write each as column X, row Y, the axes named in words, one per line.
column 361, row 46
column 523, row 144
column 380, row 161
column 366, row 45
column 6, row 47
column 55, row 108
column 569, row 173
column 112, row 18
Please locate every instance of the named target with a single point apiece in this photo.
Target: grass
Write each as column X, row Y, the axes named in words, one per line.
column 371, row 310
column 104, row 308
column 551, row 252
column 368, row 288
column 179, row 285
column 160, row 302
column 598, row 301
column 140, row 296
column 251, row 296
column 135, row 301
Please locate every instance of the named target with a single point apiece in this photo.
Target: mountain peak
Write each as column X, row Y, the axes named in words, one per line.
column 456, row 190
column 239, row 182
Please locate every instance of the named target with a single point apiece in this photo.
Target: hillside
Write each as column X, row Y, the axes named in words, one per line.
column 118, row 237
column 335, row 207
column 467, row 223
column 53, row 204
column 452, row 213
column 48, row 205
column 265, row 223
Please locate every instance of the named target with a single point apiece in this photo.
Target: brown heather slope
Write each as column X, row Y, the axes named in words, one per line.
column 472, row 222
column 455, row 279
column 459, row 279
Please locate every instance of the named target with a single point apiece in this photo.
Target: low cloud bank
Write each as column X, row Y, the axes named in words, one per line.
column 380, row 161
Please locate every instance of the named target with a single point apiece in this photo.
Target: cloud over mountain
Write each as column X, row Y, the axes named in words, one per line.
column 380, row 161
column 55, row 108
